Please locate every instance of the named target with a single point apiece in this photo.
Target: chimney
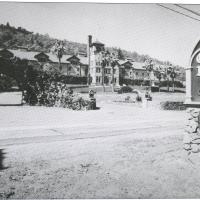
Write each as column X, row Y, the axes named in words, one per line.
column 89, row 40
column 89, row 44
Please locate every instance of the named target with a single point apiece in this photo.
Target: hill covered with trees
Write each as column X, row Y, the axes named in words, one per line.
column 18, row 37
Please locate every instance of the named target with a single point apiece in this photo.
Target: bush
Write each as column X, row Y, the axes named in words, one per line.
column 6, row 83
column 72, row 79
column 44, row 89
column 125, row 89
column 169, row 105
column 177, row 84
column 137, row 82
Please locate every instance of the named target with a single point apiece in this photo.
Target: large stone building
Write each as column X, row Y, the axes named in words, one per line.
column 72, row 65
column 103, row 75
column 84, row 65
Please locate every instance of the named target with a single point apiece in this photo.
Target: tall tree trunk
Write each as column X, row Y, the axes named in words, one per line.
column 159, row 85
column 168, row 84
column 112, row 79
column 80, row 71
column 103, row 79
column 173, row 84
column 60, row 67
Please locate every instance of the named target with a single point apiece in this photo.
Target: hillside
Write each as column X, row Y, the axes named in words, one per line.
column 12, row 37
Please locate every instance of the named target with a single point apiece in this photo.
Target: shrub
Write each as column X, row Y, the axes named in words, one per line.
column 44, row 89
column 72, row 79
column 177, row 84
column 6, row 83
column 170, row 105
column 134, row 82
column 125, row 89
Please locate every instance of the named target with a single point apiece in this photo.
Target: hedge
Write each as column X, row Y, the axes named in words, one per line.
column 139, row 82
column 72, row 79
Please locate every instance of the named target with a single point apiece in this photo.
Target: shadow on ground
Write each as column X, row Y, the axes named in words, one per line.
column 2, row 157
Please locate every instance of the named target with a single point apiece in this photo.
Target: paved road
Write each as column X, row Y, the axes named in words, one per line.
column 41, row 134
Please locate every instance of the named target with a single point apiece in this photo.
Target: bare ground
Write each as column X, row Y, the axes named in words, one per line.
column 119, row 151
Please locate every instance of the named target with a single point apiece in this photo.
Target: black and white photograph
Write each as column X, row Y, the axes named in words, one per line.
column 99, row 100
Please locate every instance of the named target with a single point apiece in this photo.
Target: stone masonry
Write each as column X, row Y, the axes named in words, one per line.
column 192, row 131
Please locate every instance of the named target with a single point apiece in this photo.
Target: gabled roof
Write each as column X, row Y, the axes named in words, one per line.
column 139, row 66
column 29, row 55
column 123, row 62
column 73, row 57
column 41, row 54
column 83, row 60
column 98, row 43
column 53, row 58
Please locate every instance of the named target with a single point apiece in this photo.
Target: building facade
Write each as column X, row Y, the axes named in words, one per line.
column 71, row 65
column 101, row 74
column 88, row 65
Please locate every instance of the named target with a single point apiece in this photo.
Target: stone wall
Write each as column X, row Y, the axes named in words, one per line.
column 192, row 131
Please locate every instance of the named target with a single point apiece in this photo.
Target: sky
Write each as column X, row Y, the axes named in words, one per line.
column 144, row 28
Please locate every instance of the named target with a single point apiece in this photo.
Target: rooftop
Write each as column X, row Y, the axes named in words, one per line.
column 30, row 55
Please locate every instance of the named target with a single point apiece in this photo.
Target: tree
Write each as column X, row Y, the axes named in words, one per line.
column 167, row 76
column 108, row 59
column 159, row 77
column 173, row 76
column 7, row 24
column 120, row 55
column 103, row 64
column 150, row 70
column 59, row 50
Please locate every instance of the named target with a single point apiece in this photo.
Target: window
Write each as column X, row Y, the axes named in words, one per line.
column 114, row 71
column 136, row 73
column 98, row 79
column 142, row 74
column 97, row 63
column 98, row 69
column 107, row 71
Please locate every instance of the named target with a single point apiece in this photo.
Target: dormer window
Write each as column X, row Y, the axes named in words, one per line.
column 42, row 57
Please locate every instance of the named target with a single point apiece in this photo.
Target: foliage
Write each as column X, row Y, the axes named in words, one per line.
column 125, row 89
column 73, row 79
column 120, row 54
column 15, row 69
column 170, row 105
column 13, row 37
column 138, row 82
column 6, row 83
column 44, row 89
column 177, row 84
column 59, row 50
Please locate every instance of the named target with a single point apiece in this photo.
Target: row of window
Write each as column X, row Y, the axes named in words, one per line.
column 136, row 73
column 106, row 71
column 99, row 79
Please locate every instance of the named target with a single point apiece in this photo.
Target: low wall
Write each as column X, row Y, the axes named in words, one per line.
column 98, row 89
column 86, row 88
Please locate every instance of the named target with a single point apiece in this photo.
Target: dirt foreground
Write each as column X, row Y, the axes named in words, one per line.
column 119, row 151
